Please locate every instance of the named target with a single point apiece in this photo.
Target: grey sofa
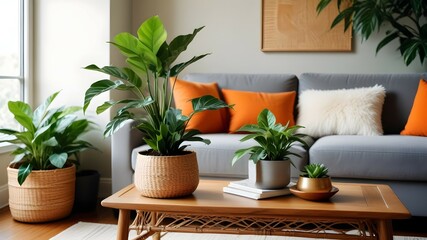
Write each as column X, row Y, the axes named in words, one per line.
column 399, row 161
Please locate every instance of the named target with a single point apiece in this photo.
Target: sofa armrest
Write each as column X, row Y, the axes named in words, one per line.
column 122, row 143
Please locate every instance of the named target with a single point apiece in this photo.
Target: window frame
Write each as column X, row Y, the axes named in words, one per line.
column 26, row 59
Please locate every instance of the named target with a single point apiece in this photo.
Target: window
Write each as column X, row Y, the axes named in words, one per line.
column 14, row 56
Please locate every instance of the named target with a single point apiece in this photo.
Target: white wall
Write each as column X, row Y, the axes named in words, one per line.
column 233, row 35
column 70, row 35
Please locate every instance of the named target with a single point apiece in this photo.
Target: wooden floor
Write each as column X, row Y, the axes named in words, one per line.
column 13, row 230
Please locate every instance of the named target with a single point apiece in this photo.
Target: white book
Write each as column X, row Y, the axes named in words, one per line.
column 255, row 193
column 248, row 185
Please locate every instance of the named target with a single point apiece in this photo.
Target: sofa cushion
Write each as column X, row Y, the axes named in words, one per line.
column 355, row 111
column 417, row 120
column 215, row 159
column 388, row 157
column 248, row 82
column 210, row 121
column 400, row 92
column 248, row 105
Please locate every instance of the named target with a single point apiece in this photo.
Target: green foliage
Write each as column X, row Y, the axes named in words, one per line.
column 49, row 139
column 315, row 170
column 274, row 140
column 405, row 20
column 150, row 61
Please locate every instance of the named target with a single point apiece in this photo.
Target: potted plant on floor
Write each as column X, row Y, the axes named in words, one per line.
column 41, row 178
column 270, row 158
column 167, row 170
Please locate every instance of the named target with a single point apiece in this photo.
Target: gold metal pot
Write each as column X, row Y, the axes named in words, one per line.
column 314, row 184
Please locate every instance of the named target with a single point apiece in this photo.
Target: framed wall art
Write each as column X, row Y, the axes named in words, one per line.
column 294, row 25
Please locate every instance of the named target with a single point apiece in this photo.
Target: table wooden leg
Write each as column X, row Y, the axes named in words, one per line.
column 123, row 224
column 155, row 236
column 385, row 230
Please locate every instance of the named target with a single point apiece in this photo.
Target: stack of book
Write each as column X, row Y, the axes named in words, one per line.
column 246, row 188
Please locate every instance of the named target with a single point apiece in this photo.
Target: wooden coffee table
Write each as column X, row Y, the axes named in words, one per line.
column 357, row 211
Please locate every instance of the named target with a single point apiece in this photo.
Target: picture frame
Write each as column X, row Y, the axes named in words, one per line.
column 295, row 25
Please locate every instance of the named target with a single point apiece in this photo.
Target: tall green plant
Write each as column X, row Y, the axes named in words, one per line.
column 150, row 65
column 50, row 137
column 274, row 140
column 405, row 20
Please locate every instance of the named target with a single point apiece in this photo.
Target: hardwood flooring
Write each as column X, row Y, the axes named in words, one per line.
column 13, row 230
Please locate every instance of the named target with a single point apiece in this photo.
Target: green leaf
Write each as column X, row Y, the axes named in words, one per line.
column 138, row 65
column 169, row 53
column 152, row 34
column 135, row 104
column 23, row 114
column 207, row 102
column 23, row 172
column 40, row 133
column 239, row 154
column 116, row 123
column 387, row 40
column 129, row 45
column 41, row 110
column 99, row 87
column 409, row 49
column 51, row 142
column 253, row 128
column 64, row 122
column 175, row 70
column 58, row 160
column 322, row 5
column 266, row 119
column 8, row 131
column 344, row 15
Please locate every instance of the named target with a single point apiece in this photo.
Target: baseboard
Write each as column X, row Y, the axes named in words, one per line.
column 4, row 196
column 104, row 187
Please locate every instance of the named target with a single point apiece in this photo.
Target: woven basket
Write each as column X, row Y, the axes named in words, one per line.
column 46, row 195
column 166, row 176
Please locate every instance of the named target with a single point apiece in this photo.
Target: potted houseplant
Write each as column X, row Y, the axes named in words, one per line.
column 270, row 168
column 41, row 178
column 167, row 170
column 314, row 178
column 314, row 183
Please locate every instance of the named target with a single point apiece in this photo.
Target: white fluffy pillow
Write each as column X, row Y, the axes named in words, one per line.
column 354, row 111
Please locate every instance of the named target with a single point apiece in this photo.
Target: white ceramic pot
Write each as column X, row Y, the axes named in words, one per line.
column 270, row 174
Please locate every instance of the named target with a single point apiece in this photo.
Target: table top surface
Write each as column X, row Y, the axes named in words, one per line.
column 353, row 200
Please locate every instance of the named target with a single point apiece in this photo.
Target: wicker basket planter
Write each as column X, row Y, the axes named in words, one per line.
column 46, row 195
column 166, row 176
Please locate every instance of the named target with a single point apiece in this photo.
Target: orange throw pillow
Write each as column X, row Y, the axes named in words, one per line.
column 210, row 121
column 417, row 120
column 248, row 105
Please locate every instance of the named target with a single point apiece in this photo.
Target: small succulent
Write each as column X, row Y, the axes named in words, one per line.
column 315, row 170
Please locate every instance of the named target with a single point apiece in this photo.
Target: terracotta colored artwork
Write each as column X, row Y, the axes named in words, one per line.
column 294, row 25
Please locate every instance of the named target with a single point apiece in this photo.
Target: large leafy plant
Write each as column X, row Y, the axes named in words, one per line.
column 50, row 137
column 404, row 20
column 274, row 140
column 150, row 61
